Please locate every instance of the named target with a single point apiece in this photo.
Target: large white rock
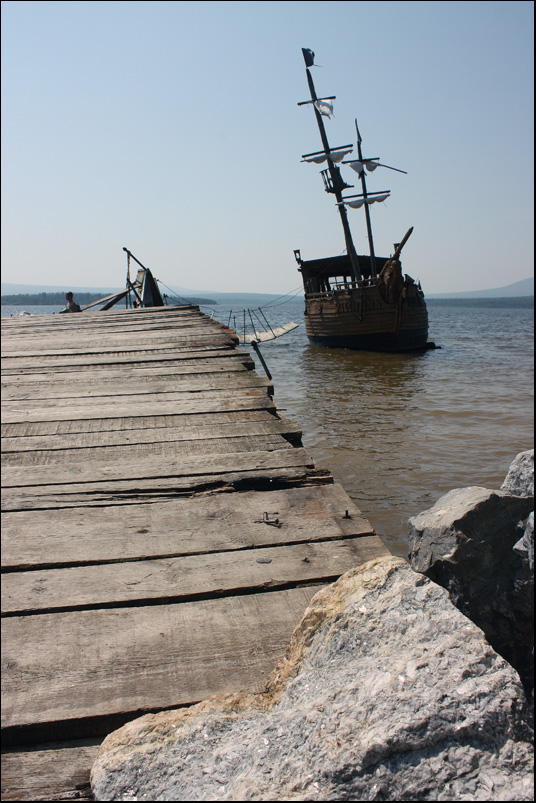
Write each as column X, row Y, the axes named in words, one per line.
column 387, row 692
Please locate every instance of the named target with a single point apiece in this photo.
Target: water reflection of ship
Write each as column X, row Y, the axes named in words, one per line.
column 372, row 381
column 357, row 301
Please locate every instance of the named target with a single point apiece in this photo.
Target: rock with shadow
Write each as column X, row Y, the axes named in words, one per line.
column 479, row 545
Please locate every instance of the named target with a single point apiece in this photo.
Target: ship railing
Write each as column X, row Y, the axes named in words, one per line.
column 341, row 287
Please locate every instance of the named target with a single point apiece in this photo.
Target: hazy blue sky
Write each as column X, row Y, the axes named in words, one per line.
column 172, row 128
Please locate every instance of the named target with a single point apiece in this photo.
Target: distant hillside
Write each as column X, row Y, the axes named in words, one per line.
column 187, row 299
column 48, row 299
column 525, row 287
column 15, row 289
column 518, row 302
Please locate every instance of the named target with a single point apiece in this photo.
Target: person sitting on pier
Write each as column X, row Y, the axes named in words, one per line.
column 71, row 305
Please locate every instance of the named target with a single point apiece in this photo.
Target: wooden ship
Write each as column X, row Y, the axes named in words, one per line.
column 353, row 300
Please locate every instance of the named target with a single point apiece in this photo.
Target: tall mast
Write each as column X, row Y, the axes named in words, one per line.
column 337, row 182
column 367, row 210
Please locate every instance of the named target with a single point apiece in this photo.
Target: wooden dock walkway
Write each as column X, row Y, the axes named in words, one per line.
column 163, row 530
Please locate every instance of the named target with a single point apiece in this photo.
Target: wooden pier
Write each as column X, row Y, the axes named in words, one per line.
column 163, row 530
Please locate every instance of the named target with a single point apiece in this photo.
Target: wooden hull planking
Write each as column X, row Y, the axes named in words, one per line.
column 361, row 319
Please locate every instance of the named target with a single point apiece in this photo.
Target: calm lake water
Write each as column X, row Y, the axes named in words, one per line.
column 399, row 431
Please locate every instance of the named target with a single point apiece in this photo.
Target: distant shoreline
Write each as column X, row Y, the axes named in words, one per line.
column 58, row 299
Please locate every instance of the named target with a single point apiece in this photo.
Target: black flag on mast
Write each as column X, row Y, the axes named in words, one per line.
column 308, row 56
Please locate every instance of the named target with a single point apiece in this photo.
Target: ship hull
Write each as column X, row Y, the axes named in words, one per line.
column 362, row 319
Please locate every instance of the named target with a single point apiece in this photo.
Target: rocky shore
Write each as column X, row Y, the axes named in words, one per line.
column 390, row 688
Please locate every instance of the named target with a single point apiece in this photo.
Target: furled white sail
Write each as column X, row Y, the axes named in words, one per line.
column 377, row 198
column 338, row 156
column 335, row 156
column 357, row 203
column 316, row 159
column 371, row 164
column 359, row 165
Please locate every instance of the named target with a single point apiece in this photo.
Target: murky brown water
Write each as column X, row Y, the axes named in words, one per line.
column 399, row 431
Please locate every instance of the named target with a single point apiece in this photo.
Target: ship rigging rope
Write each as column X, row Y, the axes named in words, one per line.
column 273, row 303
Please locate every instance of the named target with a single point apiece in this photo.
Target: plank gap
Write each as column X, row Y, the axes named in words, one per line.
column 267, row 587
column 79, row 730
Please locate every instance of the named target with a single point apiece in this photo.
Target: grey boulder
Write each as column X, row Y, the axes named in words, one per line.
column 468, row 542
column 520, row 477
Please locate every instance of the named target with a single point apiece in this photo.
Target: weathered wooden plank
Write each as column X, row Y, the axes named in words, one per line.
column 81, row 664
column 174, row 527
column 103, row 456
column 69, row 348
column 228, row 347
column 58, row 772
column 119, row 309
column 195, row 341
column 274, row 426
column 221, row 362
column 148, row 366
column 57, row 329
column 201, row 380
column 62, row 392
column 21, row 429
column 228, row 389
column 132, row 328
column 144, row 366
column 156, row 490
column 21, row 342
column 117, row 325
column 94, row 386
column 96, row 475
column 99, row 317
column 182, row 372
column 212, row 363
column 80, row 361
column 115, row 317
column 178, row 579
column 215, row 401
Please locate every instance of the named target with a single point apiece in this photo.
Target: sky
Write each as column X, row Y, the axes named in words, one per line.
column 172, row 128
